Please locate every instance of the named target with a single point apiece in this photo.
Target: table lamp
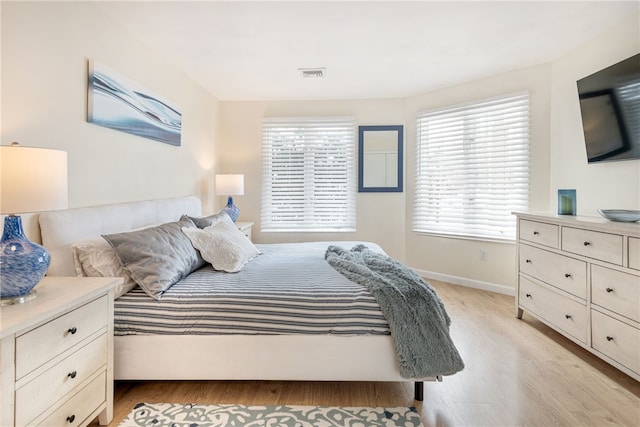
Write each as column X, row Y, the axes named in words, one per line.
column 31, row 180
column 230, row 185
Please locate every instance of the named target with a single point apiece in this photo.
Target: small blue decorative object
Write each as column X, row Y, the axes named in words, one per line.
column 566, row 202
column 22, row 263
column 231, row 209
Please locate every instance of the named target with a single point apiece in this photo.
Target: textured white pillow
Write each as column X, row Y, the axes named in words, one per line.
column 223, row 245
column 96, row 258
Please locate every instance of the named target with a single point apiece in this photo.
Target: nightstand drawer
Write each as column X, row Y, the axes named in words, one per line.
column 52, row 385
column 566, row 314
column 563, row 272
column 539, row 232
column 245, row 228
column 616, row 339
column 616, row 291
column 39, row 345
column 75, row 410
column 593, row 244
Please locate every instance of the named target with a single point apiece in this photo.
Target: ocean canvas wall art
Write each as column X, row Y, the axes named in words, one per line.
column 116, row 102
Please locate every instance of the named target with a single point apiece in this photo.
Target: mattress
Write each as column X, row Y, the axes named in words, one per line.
column 288, row 289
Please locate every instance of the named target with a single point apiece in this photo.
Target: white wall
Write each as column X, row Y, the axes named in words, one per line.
column 557, row 160
column 380, row 216
column 45, row 48
column 558, row 157
column 611, row 185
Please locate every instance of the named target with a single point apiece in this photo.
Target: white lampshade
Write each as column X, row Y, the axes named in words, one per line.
column 230, row 185
column 32, row 179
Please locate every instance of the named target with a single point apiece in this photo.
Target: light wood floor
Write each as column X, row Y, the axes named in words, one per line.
column 518, row 373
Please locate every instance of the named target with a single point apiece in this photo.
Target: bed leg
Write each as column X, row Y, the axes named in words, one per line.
column 419, row 391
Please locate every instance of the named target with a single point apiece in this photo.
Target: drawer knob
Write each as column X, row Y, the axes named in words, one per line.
column 609, row 290
column 567, row 316
column 587, row 243
column 609, row 338
column 528, row 295
column 528, row 261
column 71, row 418
column 535, row 233
column 73, row 330
column 72, row 375
column 567, row 275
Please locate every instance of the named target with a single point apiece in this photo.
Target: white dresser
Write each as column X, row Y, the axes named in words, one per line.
column 581, row 276
column 56, row 354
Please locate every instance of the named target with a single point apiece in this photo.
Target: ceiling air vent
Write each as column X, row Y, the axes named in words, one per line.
column 311, row 73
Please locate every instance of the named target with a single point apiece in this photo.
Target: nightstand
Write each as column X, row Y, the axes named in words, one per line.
column 56, row 354
column 245, row 227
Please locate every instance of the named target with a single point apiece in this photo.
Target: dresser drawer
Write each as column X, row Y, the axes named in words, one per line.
column 39, row 345
column 539, row 232
column 616, row 291
column 563, row 272
column 76, row 410
column 634, row 253
column 593, row 244
column 562, row 312
column 53, row 384
column 616, row 339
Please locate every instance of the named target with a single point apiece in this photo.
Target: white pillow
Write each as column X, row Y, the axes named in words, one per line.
column 96, row 258
column 223, row 245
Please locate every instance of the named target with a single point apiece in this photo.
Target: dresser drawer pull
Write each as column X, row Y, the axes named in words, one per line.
column 587, row 243
column 528, row 261
column 567, row 316
column 536, row 233
column 73, row 330
column 72, row 375
column 567, row 275
column 71, row 418
column 609, row 290
column 528, row 295
column 609, row 338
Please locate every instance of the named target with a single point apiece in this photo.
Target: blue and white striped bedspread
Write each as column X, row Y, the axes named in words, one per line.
column 288, row 289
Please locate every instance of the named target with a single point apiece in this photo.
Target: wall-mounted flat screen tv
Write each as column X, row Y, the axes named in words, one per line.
column 610, row 108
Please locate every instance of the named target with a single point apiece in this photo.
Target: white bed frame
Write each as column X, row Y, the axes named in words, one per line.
column 215, row 357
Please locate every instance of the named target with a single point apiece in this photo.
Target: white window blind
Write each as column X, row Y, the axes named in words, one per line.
column 309, row 179
column 473, row 168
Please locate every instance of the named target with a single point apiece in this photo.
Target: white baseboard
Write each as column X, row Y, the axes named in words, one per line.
column 470, row 283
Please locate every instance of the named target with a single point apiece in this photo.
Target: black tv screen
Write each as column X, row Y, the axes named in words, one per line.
column 610, row 109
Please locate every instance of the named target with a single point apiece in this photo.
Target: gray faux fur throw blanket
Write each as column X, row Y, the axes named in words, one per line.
column 417, row 318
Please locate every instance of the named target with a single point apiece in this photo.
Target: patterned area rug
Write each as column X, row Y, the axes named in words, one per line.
column 179, row 415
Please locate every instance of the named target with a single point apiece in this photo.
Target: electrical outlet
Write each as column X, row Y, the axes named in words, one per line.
column 484, row 255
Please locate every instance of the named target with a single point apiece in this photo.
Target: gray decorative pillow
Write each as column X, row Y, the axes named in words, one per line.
column 157, row 257
column 206, row 221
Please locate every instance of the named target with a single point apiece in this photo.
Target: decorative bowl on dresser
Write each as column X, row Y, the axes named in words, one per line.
column 581, row 276
column 56, row 354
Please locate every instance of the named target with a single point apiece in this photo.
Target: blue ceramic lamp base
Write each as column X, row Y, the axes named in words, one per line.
column 22, row 263
column 231, row 209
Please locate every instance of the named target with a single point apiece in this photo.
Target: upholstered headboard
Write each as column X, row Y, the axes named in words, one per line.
column 59, row 229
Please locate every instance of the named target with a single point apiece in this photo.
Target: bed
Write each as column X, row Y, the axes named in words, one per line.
column 343, row 355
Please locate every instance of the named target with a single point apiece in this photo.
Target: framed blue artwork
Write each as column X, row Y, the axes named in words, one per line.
column 119, row 103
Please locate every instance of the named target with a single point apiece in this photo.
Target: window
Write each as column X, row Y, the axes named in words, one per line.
column 472, row 168
column 309, row 181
